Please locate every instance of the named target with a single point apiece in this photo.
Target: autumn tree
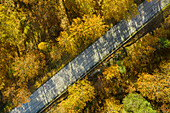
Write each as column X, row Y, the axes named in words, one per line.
column 56, row 53
column 155, row 86
column 163, row 33
column 166, row 23
column 81, row 33
column 41, row 21
column 165, row 108
column 25, row 70
column 80, row 7
column 2, row 82
column 118, row 9
column 16, row 94
column 11, row 29
column 140, row 54
column 148, row 50
column 149, row 0
column 63, row 16
column 7, row 55
column 43, row 46
column 112, row 82
column 112, row 106
column 79, row 94
column 30, row 66
column 112, row 72
column 49, row 14
column 114, row 10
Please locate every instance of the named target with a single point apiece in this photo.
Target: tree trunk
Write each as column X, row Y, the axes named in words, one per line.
column 18, row 52
column 62, row 15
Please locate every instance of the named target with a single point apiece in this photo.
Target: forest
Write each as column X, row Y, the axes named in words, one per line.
column 39, row 37
column 137, row 82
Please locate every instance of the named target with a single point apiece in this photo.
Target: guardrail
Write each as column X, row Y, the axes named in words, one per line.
column 90, row 57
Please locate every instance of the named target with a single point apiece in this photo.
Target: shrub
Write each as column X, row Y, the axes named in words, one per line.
column 164, row 43
column 43, row 46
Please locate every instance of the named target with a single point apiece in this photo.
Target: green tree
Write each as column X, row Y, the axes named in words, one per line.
column 135, row 103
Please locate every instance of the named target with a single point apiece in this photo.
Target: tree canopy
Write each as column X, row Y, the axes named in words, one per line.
column 37, row 38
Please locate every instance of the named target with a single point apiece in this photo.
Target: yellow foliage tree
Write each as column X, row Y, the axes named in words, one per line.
column 25, row 70
column 156, row 86
column 2, row 81
column 140, row 54
column 17, row 94
column 79, row 94
column 56, row 53
column 81, row 7
column 82, row 32
column 111, row 72
column 164, row 30
column 149, row 0
column 29, row 66
column 7, row 55
column 118, row 9
column 167, row 22
column 112, row 82
column 112, row 106
column 11, row 29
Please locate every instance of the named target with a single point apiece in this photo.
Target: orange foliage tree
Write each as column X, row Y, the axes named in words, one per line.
column 30, row 66
column 25, row 69
column 113, row 82
column 7, row 54
column 156, row 86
